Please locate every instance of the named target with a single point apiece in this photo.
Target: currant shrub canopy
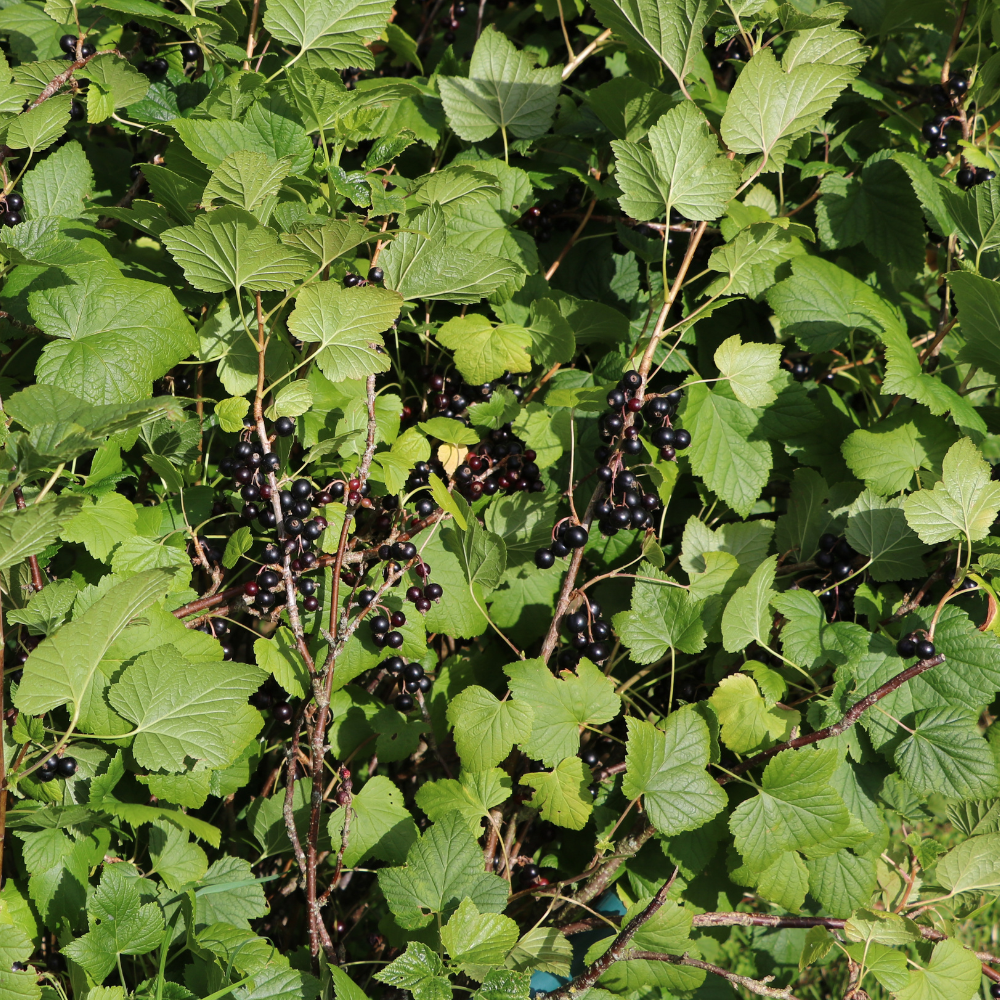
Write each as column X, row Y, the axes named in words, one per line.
column 498, row 499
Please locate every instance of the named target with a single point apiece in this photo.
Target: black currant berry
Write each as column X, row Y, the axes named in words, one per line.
column 375, row 275
column 589, row 757
column 681, row 439
column 283, row 712
column 403, row 702
column 189, row 52
column 68, row 43
column 576, row 622
column 394, row 640
column 66, row 767
column 379, row 624
column 350, row 280
column 576, row 536
column 433, row 591
column 544, row 558
column 906, row 647
column 284, row 426
column 924, row 649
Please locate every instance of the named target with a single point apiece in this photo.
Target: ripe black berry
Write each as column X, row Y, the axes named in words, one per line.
column 268, row 579
column 924, row 649
column 76, row 111
column 616, row 399
column 66, row 767
column 284, row 426
column 11, row 218
column 157, row 66
column 906, row 647
column 301, row 488
column 379, row 624
column 311, row 604
column 681, row 439
column 68, row 43
column 576, row 536
column 271, row 554
column 433, row 591
column 631, row 381
column 265, row 599
column 394, row 640
column 250, row 512
column 15, row 201
column 293, row 526
column 544, row 558
column 576, row 622
column 189, row 52
column 422, row 605
column 376, row 274
column 589, row 757
column 283, row 712
column 965, row 178
column 350, row 280
column 958, row 85
column 597, row 651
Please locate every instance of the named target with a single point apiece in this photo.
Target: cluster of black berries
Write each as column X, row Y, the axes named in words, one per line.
column 915, row 644
column 590, row 636
column 411, row 679
column 633, row 509
column 68, row 44
column 381, row 624
column 56, row 767
column 500, row 463
column 375, row 276
column 660, row 411
column 277, row 701
column 835, row 555
column 13, row 204
column 451, row 23
column 566, row 537
column 451, row 397
column 266, row 590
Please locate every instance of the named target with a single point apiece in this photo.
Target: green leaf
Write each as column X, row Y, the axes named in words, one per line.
column 562, row 796
column 38, row 128
column 747, row 618
column 725, row 451
column 27, row 532
column 381, row 826
column 473, row 795
column 181, row 711
column 586, row 698
column 96, row 321
column 972, row 866
column 887, row 456
column 953, row 972
column 545, row 949
column 239, row 544
column 770, row 105
column 747, row 722
column 420, row 264
column 335, row 32
column 482, row 553
column 800, row 526
column 486, row 728
column 796, row 808
column 876, row 209
column 979, row 302
column 63, row 668
column 229, row 248
column 663, row 615
column 671, row 33
column 101, row 525
column 474, row 939
column 879, row 530
column 443, row 867
column 118, row 79
column 231, row 412
column 348, row 324
column 841, row 883
column 750, row 369
column 484, row 351
column 47, row 610
column 328, row 241
column 502, row 91
column 946, row 750
column 965, row 502
column 682, row 169
column 124, row 925
column 668, row 768
column 177, row 861
column 419, row 970
column 245, row 179
column 280, row 657
column 60, row 184
column 751, row 260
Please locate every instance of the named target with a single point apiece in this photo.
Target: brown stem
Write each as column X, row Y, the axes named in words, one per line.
column 204, row 603
column 618, row 947
column 758, row 986
column 37, row 580
column 853, row 714
column 953, row 44
column 626, row 848
column 554, row 266
column 675, row 289
column 252, row 36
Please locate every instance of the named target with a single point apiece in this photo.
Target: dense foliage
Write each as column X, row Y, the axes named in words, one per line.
column 497, row 498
